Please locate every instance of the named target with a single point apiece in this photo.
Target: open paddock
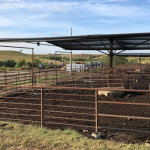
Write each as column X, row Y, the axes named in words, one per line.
column 81, row 109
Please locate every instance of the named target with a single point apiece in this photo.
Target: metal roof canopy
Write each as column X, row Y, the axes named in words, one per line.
column 99, row 42
column 134, row 55
column 110, row 44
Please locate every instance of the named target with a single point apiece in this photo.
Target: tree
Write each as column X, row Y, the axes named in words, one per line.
column 20, row 63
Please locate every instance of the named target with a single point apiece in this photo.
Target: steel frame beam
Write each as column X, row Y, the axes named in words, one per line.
column 89, row 47
column 133, row 46
column 104, row 45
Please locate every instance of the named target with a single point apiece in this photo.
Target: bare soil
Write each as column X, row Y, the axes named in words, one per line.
column 50, row 99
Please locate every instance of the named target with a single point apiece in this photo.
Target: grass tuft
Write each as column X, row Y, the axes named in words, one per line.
column 17, row 136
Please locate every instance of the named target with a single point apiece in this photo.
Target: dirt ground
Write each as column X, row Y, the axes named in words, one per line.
column 25, row 75
column 51, row 98
column 58, row 101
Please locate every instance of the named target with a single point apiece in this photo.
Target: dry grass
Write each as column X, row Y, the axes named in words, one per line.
column 143, row 60
column 80, row 55
column 15, row 136
column 15, row 55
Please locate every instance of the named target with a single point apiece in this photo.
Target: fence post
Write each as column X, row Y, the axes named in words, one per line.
column 39, row 73
column 25, row 81
column 16, row 82
column 6, row 81
column 56, row 77
column 35, row 79
column 60, row 79
column 128, row 81
column 42, row 107
column 47, row 74
column 45, row 78
column 96, row 110
column 18, row 75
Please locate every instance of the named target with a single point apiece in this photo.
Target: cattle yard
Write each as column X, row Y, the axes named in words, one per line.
column 112, row 100
column 59, row 99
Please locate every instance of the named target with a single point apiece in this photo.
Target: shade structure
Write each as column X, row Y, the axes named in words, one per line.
column 110, row 44
column 98, row 42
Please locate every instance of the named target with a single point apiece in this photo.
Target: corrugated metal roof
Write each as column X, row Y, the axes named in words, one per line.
column 99, row 42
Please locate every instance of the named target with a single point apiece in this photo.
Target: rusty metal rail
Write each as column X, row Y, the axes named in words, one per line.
column 43, row 106
column 60, row 77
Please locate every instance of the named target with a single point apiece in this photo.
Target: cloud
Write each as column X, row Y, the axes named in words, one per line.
column 54, row 33
column 38, row 34
column 5, row 21
column 30, row 18
column 100, row 8
column 63, row 14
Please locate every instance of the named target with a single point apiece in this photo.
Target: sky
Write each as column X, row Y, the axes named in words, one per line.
column 49, row 18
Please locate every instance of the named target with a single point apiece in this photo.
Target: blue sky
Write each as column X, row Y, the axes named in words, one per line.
column 47, row 18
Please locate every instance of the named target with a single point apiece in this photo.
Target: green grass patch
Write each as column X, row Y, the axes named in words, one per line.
column 17, row 136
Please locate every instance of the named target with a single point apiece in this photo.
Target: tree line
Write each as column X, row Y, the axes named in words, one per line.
column 19, row 63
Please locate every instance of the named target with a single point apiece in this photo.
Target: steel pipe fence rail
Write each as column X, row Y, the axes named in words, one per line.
column 26, row 77
column 57, row 77
column 43, row 107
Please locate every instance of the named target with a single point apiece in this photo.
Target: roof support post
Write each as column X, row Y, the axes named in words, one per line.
column 71, row 56
column 140, row 62
column 32, row 66
column 111, row 57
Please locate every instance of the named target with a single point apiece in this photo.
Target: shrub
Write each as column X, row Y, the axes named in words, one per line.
column 46, row 65
column 8, row 63
column 25, row 67
column 36, row 62
column 3, row 68
column 29, row 63
column 20, row 63
column 17, row 65
column 2, row 63
column 11, row 68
